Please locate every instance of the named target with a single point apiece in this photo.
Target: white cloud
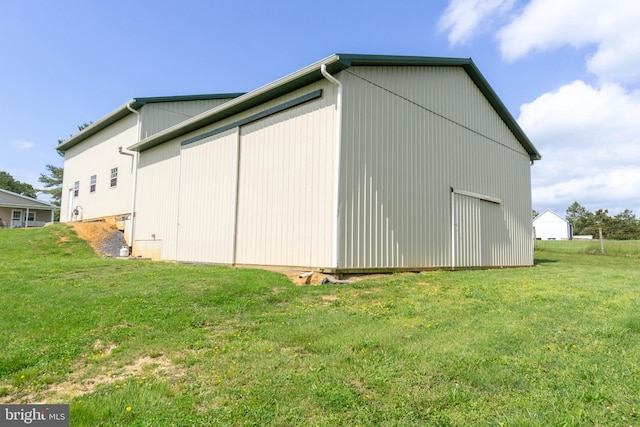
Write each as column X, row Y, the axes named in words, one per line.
column 21, row 145
column 589, row 136
column 463, row 19
column 590, row 142
column 611, row 26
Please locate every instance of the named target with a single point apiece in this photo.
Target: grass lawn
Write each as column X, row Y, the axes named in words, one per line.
column 158, row 344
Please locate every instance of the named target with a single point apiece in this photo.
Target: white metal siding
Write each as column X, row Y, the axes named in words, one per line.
column 97, row 156
column 158, row 116
column 478, row 232
column 207, row 202
column 157, row 202
column 410, row 135
column 284, row 196
column 285, row 199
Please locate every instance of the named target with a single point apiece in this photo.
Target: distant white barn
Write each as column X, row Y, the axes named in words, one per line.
column 551, row 226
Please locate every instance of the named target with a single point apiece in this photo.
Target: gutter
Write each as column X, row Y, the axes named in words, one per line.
column 258, row 96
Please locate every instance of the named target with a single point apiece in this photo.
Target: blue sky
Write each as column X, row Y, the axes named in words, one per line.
column 568, row 71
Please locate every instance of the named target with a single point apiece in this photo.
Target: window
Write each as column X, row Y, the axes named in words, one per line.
column 15, row 216
column 76, row 188
column 114, row 177
column 92, row 184
column 30, row 217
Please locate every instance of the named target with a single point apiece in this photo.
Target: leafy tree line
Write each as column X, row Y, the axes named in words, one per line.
column 623, row 226
column 7, row 182
column 52, row 181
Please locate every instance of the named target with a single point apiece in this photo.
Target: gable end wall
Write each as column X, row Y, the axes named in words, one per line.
column 410, row 135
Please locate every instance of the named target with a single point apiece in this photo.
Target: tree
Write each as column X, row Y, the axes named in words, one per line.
column 53, row 179
column 624, row 226
column 8, row 183
column 80, row 128
column 53, row 183
column 580, row 218
column 534, row 213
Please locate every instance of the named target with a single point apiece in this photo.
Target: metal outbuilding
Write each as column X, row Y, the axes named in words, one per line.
column 99, row 173
column 354, row 163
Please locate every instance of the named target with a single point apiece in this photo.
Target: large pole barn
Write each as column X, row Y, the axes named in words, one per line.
column 356, row 163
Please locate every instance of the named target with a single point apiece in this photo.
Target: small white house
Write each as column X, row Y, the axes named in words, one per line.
column 551, row 226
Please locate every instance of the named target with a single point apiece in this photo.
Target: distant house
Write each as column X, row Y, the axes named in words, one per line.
column 18, row 211
column 551, row 226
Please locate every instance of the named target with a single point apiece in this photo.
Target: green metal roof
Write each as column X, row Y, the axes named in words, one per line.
column 336, row 63
column 135, row 103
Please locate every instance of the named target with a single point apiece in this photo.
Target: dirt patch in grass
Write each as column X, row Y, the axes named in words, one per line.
column 328, row 299
column 315, row 278
column 94, row 233
column 105, row 238
column 81, row 382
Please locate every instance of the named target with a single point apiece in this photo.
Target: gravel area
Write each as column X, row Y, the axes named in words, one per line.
column 112, row 244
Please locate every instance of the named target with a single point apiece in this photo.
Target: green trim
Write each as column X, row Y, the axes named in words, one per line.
column 488, row 92
column 135, row 103
column 255, row 117
column 336, row 63
column 152, row 100
column 350, row 60
column 472, row 71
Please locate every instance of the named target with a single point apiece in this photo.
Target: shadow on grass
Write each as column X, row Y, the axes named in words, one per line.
column 537, row 261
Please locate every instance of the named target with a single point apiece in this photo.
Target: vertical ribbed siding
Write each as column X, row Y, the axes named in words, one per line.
column 186, row 201
column 479, row 233
column 400, row 160
column 285, row 194
column 207, row 194
column 158, row 116
column 157, row 201
column 467, row 231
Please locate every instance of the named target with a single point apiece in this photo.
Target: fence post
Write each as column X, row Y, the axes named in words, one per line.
column 601, row 241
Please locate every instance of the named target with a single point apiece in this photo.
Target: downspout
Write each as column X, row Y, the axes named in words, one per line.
column 453, row 229
column 336, row 176
column 134, row 165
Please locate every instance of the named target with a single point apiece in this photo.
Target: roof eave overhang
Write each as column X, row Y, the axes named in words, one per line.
column 124, row 111
column 37, row 207
column 486, row 89
column 96, row 127
column 284, row 85
column 336, row 63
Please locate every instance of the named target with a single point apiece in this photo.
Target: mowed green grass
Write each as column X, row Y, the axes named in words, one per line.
column 552, row 345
